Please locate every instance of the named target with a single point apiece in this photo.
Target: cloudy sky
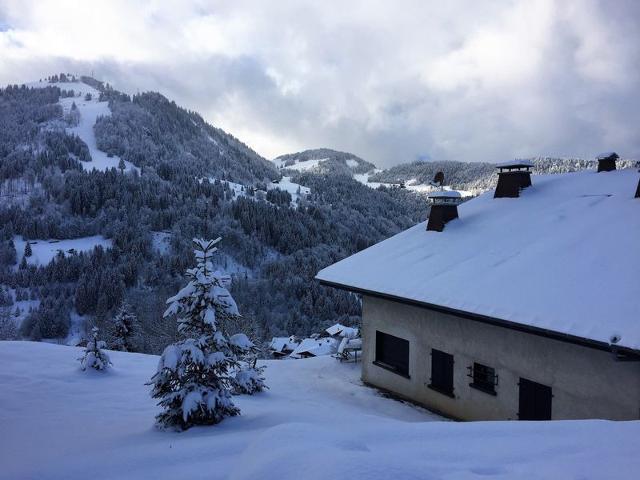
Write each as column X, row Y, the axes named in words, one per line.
column 391, row 81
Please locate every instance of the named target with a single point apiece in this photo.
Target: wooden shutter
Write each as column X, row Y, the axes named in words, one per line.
column 535, row 401
column 442, row 371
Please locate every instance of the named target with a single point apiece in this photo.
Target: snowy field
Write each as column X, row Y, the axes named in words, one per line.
column 316, row 422
column 43, row 251
column 304, row 166
column 296, row 190
column 90, row 110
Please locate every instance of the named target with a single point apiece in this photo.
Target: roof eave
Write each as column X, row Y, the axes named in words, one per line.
column 552, row 334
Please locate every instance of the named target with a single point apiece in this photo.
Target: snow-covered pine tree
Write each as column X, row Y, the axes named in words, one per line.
column 27, row 250
column 93, row 356
column 195, row 376
column 249, row 378
column 125, row 330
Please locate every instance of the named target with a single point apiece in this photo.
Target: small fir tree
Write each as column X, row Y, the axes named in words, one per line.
column 249, row 378
column 125, row 330
column 122, row 166
column 8, row 330
column 27, row 250
column 93, row 356
column 195, row 376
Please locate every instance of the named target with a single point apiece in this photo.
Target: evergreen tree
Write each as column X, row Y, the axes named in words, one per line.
column 27, row 250
column 195, row 376
column 249, row 378
column 8, row 330
column 93, row 356
column 121, row 166
column 125, row 330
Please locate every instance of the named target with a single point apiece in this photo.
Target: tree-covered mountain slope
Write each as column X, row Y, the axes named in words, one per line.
column 187, row 179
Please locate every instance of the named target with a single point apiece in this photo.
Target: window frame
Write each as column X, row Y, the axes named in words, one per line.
column 485, row 382
column 399, row 368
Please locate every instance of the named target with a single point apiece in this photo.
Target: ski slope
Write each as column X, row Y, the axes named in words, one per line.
column 316, row 422
column 90, row 110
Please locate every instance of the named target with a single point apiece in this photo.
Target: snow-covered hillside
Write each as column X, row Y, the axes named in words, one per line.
column 90, row 109
column 43, row 251
column 297, row 191
column 316, row 422
column 324, row 160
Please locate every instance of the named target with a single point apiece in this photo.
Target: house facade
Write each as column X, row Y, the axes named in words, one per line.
column 512, row 311
column 471, row 370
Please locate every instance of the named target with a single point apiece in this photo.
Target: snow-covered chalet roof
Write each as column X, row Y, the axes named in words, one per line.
column 340, row 330
column 316, row 347
column 283, row 344
column 564, row 257
column 515, row 163
column 445, row 194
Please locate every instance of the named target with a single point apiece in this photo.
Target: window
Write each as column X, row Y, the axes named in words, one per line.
column 392, row 353
column 484, row 378
column 441, row 372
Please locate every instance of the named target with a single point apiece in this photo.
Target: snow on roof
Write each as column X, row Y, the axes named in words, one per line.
column 563, row 257
column 281, row 344
column 316, row 347
column 604, row 155
column 515, row 163
column 342, row 331
column 445, row 194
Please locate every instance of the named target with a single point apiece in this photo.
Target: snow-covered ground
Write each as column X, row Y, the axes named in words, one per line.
column 90, row 110
column 43, row 251
column 296, row 190
column 412, row 185
column 364, row 179
column 316, row 422
column 303, row 166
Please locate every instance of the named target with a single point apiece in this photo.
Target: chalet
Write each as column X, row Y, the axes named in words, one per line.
column 316, row 347
column 283, row 346
column 517, row 306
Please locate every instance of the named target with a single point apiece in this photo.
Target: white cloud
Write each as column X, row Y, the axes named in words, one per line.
column 390, row 81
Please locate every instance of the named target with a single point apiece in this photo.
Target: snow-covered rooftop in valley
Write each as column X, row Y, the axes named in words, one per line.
column 562, row 257
column 342, row 331
column 316, row 422
column 283, row 344
column 89, row 110
column 316, row 347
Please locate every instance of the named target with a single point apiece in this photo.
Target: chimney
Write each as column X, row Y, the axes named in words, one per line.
column 513, row 177
column 444, row 208
column 607, row 161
